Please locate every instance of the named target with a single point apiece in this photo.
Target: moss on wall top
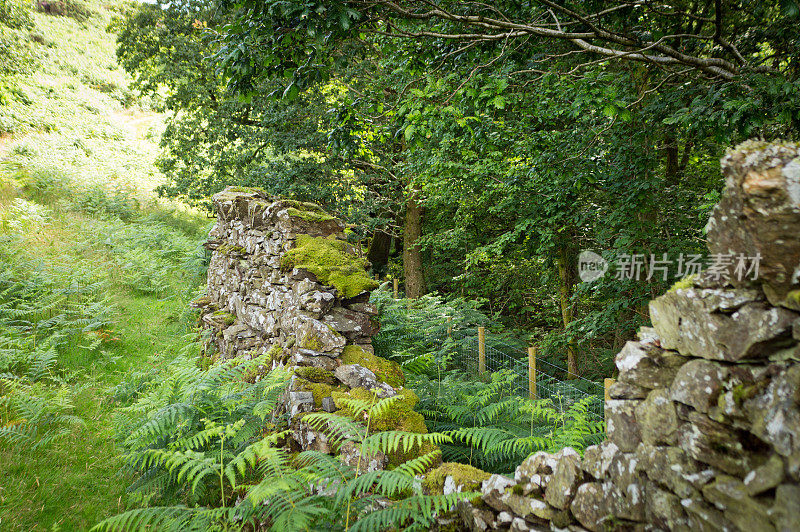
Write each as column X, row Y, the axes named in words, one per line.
column 328, row 259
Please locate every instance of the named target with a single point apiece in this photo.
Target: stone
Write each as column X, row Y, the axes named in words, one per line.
column 565, row 480
column 759, row 214
column 729, row 495
column 329, row 405
column 351, row 454
column 597, row 459
column 593, row 505
column 504, row 519
column 316, row 336
column 646, row 365
column 706, row 324
column 363, row 307
column 672, row 468
column 475, row 519
column 534, row 472
column 721, row 446
column 704, row 518
column 307, row 357
column 664, row 510
column 623, row 470
column 765, row 477
column 356, row 376
column 784, row 512
column 626, row 390
column 494, row 488
column 698, row 384
column 309, row 439
column 621, row 426
column 316, row 302
column 300, row 402
column 775, row 416
column 657, row 419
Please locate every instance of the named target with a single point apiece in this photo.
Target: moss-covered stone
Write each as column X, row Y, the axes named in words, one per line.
column 312, row 342
column 386, row 370
column 466, row 476
column 328, row 259
column 226, row 317
column 686, row 282
column 248, row 190
column 313, row 374
column 275, row 354
column 400, row 417
column 320, row 390
column 310, row 216
column 231, row 249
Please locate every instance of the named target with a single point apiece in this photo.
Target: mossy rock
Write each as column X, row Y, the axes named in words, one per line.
column 312, row 342
column 684, row 283
column 248, row 190
column 310, row 216
column 275, row 353
column 310, row 373
column 470, row 478
column 320, row 390
column 386, row 370
column 328, row 259
column 230, row 249
column 400, row 417
column 226, row 317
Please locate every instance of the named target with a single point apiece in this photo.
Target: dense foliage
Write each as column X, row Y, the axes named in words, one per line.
column 488, row 155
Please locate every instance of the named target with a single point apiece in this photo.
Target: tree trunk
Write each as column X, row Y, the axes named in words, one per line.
column 378, row 253
column 567, row 278
column 412, row 258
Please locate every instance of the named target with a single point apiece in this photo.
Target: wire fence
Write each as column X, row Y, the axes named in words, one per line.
column 463, row 351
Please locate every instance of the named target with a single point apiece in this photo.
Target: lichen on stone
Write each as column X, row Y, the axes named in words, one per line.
column 386, row 370
column 467, row 477
column 328, row 259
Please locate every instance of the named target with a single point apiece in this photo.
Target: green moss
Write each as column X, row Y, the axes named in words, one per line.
column 305, row 206
column 386, row 370
column 320, row 390
column 464, row 475
column 311, row 216
column 275, row 353
column 228, row 249
column 227, row 317
column 400, row 416
column 312, row 342
column 313, row 374
column 248, row 190
column 328, row 259
column 681, row 284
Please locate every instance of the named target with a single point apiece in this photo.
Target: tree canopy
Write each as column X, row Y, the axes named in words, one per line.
column 479, row 147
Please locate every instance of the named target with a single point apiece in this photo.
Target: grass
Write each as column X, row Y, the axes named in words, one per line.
column 76, row 203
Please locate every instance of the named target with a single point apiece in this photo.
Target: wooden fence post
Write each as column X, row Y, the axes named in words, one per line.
column 481, row 350
column 395, row 286
column 532, row 372
column 449, row 326
column 607, row 383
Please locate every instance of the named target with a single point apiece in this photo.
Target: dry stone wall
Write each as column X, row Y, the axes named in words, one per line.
column 703, row 425
column 285, row 285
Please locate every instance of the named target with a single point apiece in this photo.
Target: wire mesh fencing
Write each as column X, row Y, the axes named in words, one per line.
column 470, row 351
